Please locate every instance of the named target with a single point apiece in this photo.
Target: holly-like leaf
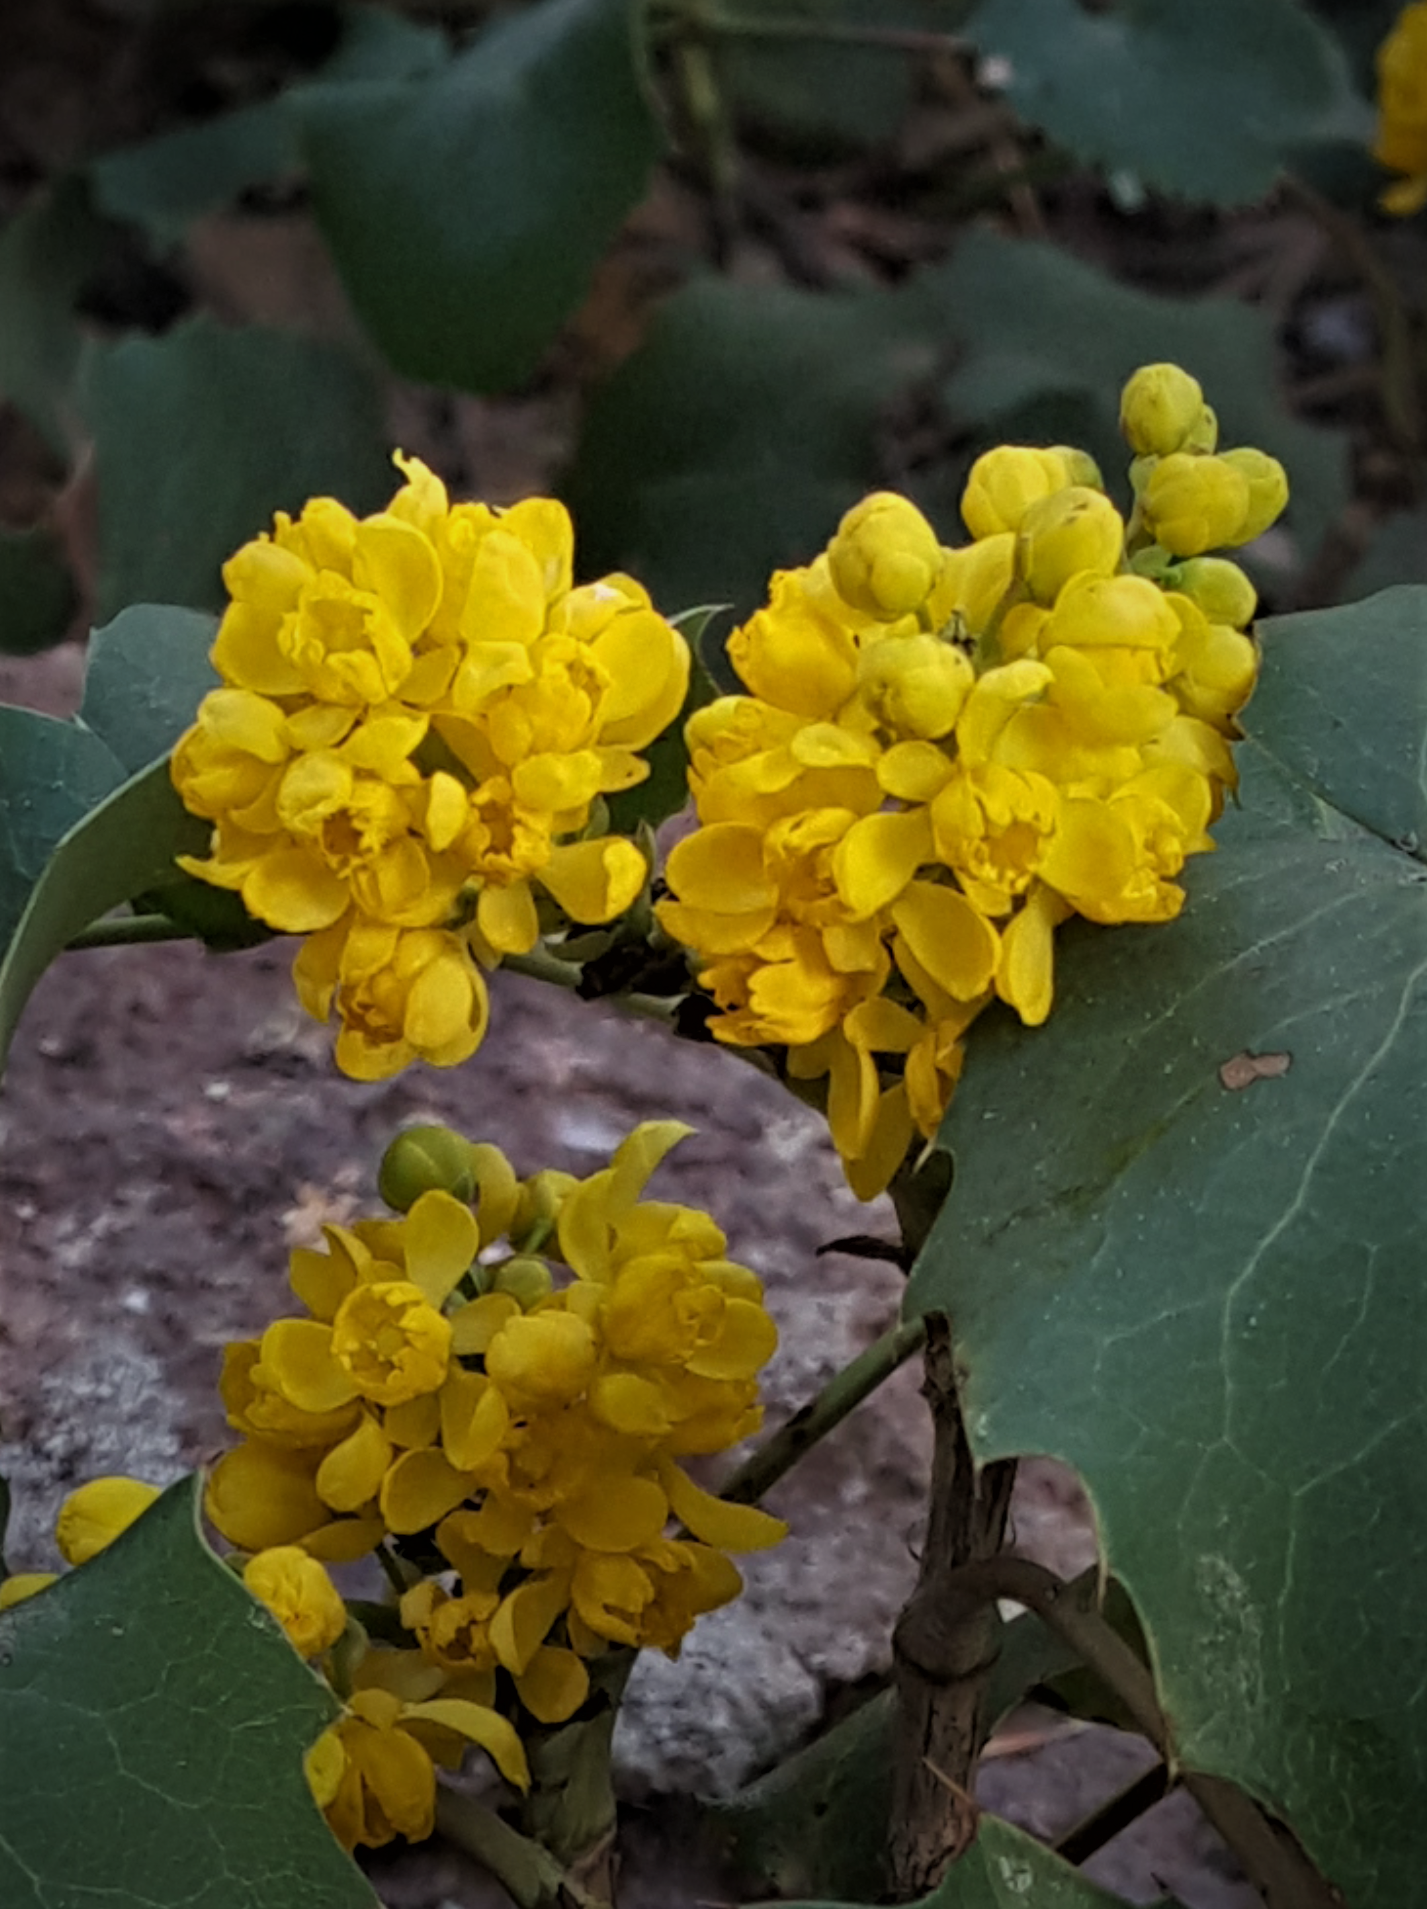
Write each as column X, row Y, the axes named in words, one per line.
column 1183, row 1251
column 121, row 847
column 51, row 774
column 144, row 677
column 153, row 1721
column 467, row 209
column 1206, row 102
column 202, row 434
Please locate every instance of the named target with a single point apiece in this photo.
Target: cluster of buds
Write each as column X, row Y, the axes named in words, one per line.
column 944, row 753
column 420, row 717
column 514, row 1445
column 1401, row 142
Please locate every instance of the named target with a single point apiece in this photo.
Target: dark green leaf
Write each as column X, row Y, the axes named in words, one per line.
column 1006, row 1869
column 821, row 97
column 1042, row 333
column 202, row 434
column 732, row 442
column 144, row 677
column 1204, row 1289
column 51, row 774
column 1309, row 713
column 164, row 183
column 155, row 1721
column 37, row 594
column 1397, row 554
column 467, row 210
column 1202, row 101
column 46, row 252
column 119, row 848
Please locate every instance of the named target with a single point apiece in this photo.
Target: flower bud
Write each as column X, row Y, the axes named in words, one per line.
column 540, row 1200
column 1159, row 408
column 1005, row 482
column 300, row 1595
column 422, row 1160
column 885, row 557
column 1268, row 491
column 1218, row 587
column 1078, row 466
column 1192, row 503
column 972, row 584
column 547, row 1357
column 92, row 1517
column 915, row 685
column 1204, row 438
column 1072, row 531
column 525, row 1277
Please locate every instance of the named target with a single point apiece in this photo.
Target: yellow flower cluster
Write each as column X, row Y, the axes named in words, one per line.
column 943, row 753
column 524, row 1437
column 1401, row 143
column 420, row 714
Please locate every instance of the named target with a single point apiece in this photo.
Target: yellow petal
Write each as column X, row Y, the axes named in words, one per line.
column 441, row 1240
column 475, row 1324
column 351, row 1474
column 290, row 889
column 420, row 1488
column 398, row 564
column 636, row 1157
column 260, row 1495
column 474, row 1418
column 93, row 1515
column 344, row 1540
column 727, row 1527
column 595, row 881
column 957, row 946
column 617, row 1514
column 486, row 1727
column 497, row 1188
column 720, row 868
column 523, row 1621
column 1025, row 974
column 878, row 856
column 554, row 1684
column 506, row 918
column 298, row 1358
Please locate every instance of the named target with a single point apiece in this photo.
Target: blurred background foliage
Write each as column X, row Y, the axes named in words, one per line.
column 709, row 268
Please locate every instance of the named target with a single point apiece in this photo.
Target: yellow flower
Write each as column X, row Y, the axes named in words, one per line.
column 1401, row 142
column 1160, row 407
column 1005, row 482
column 885, row 558
column 300, row 1595
column 914, row 686
column 417, row 717
column 91, row 1518
column 1072, row 532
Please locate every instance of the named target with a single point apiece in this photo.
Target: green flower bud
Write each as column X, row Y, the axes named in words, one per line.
column 885, row 557
column 915, row 685
column 1073, row 531
column 1219, row 588
column 524, row 1277
column 1159, row 408
column 1192, row 503
column 1268, row 492
column 421, row 1159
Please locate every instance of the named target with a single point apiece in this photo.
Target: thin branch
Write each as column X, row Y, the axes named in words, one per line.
column 124, row 931
column 1270, row 1859
column 811, row 1424
column 704, row 19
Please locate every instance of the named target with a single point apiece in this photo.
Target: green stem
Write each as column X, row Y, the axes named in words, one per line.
column 700, row 18
column 821, row 1415
column 123, row 931
column 541, row 965
column 529, row 1874
column 392, row 1571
